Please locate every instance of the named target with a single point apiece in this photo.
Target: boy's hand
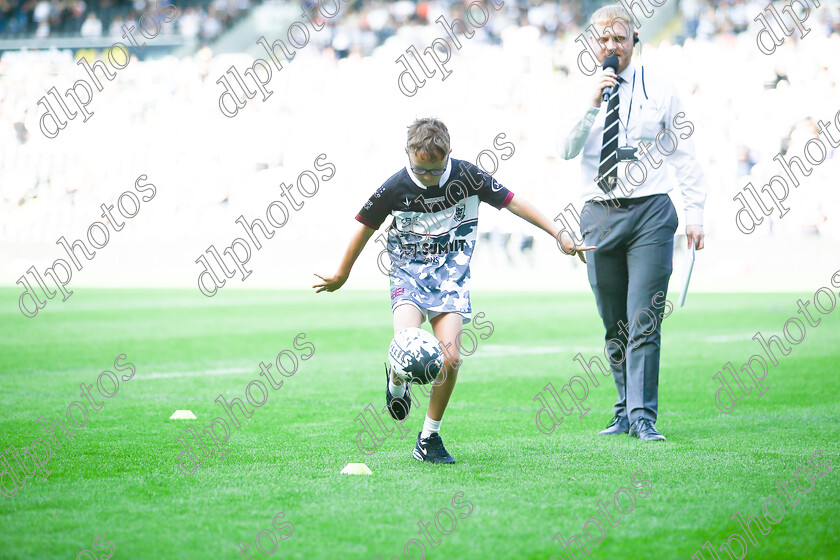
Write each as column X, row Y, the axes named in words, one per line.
column 567, row 245
column 330, row 284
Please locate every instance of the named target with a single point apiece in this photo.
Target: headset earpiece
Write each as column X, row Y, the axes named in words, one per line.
column 636, row 38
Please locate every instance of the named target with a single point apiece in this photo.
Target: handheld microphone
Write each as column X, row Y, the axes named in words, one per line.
column 610, row 61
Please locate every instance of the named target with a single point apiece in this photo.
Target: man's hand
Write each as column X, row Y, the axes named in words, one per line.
column 567, row 245
column 330, row 284
column 605, row 78
column 695, row 233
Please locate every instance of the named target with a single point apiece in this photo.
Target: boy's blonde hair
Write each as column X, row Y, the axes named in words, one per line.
column 428, row 136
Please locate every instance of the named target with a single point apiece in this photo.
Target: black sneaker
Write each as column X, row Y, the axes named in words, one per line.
column 398, row 407
column 431, row 449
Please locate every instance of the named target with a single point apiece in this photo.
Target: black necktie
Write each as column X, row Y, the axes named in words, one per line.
column 607, row 170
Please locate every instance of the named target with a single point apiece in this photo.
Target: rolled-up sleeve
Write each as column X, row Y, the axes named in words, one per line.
column 571, row 145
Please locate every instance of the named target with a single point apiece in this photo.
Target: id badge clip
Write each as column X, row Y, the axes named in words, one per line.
column 627, row 153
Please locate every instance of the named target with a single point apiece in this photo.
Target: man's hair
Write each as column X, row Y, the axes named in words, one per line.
column 428, row 136
column 613, row 14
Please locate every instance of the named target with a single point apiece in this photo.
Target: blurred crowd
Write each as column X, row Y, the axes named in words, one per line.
column 365, row 24
column 200, row 20
column 706, row 19
column 518, row 75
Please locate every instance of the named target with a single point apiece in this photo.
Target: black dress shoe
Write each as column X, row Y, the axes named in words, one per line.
column 643, row 429
column 619, row 425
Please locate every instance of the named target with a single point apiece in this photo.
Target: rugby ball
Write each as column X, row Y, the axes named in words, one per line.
column 415, row 356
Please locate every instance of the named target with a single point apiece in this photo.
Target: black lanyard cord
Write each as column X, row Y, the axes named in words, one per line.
column 629, row 110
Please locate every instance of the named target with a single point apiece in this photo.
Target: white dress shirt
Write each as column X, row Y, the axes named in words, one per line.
column 655, row 108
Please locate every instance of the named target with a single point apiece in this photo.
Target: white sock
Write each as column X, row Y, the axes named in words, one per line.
column 430, row 427
column 396, row 390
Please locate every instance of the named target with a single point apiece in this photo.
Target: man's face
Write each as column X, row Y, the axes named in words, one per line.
column 424, row 161
column 616, row 38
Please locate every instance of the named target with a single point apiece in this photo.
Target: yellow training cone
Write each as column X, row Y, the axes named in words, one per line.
column 356, row 468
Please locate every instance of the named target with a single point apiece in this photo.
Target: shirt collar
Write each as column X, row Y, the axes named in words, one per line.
column 443, row 178
column 627, row 74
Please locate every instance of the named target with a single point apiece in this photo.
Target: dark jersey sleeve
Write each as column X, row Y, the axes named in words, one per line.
column 376, row 209
column 489, row 190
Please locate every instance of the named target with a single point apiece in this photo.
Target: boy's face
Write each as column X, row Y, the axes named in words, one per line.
column 424, row 161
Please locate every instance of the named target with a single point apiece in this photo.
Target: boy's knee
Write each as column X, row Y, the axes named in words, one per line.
column 453, row 361
column 451, row 354
column 449, row 371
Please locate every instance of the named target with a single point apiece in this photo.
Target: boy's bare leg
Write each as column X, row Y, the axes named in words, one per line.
column 447, row 328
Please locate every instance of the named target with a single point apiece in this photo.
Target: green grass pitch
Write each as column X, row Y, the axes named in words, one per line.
column 118, row 475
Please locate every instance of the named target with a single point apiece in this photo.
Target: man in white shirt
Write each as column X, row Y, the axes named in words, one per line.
column 625, row 140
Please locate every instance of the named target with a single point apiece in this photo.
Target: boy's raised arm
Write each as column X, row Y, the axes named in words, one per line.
column 529, row 213
column 354, row 249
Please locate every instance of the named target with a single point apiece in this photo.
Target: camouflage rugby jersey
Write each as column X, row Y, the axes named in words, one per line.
column 433, row 234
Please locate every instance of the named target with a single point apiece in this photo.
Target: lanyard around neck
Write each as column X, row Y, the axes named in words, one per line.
column 629, row 110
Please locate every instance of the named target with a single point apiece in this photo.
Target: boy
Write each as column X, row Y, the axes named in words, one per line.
column 434, row 201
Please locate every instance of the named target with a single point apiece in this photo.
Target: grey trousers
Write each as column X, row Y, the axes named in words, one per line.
column 632, row 262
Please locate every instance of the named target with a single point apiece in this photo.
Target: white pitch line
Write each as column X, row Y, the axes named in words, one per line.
column 483, row 351
column 172, row 374
column 730, row 337
column 496, row 351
